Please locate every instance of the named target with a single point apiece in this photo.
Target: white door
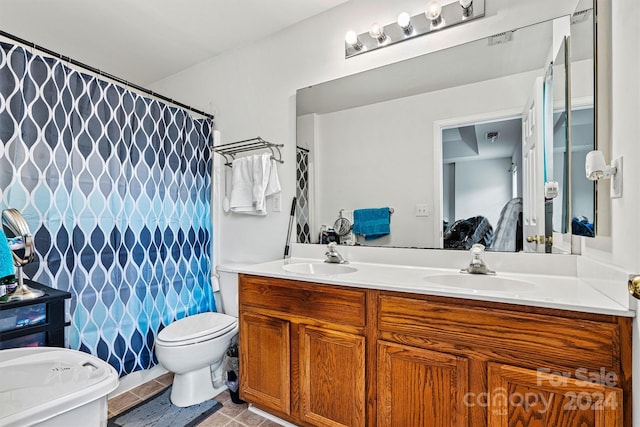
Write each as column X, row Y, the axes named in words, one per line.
column 533, row 170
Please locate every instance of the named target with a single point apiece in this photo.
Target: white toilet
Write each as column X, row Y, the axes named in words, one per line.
column 194, row 346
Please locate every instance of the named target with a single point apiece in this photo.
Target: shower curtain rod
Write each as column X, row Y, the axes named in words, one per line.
column 102, row 73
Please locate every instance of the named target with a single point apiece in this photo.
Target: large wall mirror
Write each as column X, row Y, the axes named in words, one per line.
column 463, row 145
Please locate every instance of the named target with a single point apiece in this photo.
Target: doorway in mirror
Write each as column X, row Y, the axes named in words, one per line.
column 482, row 184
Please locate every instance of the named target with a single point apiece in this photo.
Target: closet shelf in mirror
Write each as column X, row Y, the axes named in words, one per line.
column 229, row 151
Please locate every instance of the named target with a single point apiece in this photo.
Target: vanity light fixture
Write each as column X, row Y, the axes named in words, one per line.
column 596, row 168
column 436, row 17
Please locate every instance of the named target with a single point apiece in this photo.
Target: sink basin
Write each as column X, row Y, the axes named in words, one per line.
column 481, row 282
column 318, row 268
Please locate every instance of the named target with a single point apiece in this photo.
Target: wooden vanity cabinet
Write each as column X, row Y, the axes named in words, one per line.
column 418, row 387
column 523, row 366
column 265, row 361
column 324, row 355
column 302, row 349
column 332, row 377
column 519, row 397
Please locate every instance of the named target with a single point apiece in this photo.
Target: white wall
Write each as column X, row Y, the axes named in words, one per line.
column 483, row 187
column 448, row 192
column 625, row 129
column 251, row 90
column 623, row 132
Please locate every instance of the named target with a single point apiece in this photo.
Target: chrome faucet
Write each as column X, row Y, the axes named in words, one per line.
column 477, row 264
column 333, row 257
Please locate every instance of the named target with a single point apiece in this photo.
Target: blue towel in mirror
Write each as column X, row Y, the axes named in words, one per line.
column 6, row 257
column 372, row 223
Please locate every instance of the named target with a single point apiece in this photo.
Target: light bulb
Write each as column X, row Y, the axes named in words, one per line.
column 404, row 21
column 351, row 38
column 467, row 8
column 434, row 9
column 377, row 32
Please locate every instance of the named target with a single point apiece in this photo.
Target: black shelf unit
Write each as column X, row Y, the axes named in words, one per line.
column 47, row 330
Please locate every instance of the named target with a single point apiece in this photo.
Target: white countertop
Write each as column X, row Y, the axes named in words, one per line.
column 559, row 292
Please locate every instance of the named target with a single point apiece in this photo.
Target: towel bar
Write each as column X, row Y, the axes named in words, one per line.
column 229, row 151
column 391, row 210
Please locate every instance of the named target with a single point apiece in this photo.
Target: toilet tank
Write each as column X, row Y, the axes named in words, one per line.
column 229, row 292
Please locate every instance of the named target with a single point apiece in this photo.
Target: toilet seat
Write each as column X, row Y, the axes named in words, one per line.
column 195, row 329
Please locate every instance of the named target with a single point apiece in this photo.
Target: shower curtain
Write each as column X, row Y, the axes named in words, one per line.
column 302, row 195
column 116, row 190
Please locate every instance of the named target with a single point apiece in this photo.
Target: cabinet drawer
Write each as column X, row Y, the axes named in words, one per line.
column 504, row 334
column 322, row 302
column 19, row 317
column 37, row 339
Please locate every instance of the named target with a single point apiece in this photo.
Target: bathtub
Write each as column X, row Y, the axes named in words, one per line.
column 48, row 386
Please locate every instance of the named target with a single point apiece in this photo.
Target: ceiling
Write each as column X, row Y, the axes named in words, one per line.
column 474, row 142
column 146, row 41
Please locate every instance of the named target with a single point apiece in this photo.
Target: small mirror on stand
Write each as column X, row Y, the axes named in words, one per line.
column 22, row 248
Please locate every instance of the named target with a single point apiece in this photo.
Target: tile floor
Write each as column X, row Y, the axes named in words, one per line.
column 230, row 415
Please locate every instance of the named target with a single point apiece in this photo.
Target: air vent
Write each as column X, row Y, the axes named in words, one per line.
column 500, row 38
column 581, row 16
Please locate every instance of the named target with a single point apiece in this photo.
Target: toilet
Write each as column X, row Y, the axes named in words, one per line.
column 193, row 348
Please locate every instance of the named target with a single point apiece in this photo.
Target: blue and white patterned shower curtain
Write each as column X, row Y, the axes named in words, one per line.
column 116, row 189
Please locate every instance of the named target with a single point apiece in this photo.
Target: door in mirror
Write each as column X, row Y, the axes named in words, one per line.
column 533, row 204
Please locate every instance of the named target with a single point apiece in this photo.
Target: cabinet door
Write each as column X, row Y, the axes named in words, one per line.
column 332, row 377
column 264, row 362
column 526, row 398
column 418, row 387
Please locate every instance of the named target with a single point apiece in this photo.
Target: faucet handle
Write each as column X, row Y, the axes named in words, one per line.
column 333, row 256
column 477, row 249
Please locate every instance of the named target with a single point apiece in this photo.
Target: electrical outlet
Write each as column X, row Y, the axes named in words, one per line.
column 277, row 203
column 422, row 210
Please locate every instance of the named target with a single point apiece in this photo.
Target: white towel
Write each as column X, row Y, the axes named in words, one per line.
column 273, row 187
column 261, row 174
column 242, row 185
column 254, row 178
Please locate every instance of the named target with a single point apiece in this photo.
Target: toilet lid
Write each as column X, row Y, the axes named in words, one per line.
column 197, row 328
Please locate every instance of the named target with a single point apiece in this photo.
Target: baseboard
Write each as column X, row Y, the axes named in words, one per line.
column 270, row 417
column 137, row 378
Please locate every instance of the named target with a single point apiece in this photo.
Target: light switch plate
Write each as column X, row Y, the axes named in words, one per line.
column 277, row 203
column 422, row 210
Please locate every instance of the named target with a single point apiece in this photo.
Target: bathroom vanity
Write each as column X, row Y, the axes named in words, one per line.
column 326, row 354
